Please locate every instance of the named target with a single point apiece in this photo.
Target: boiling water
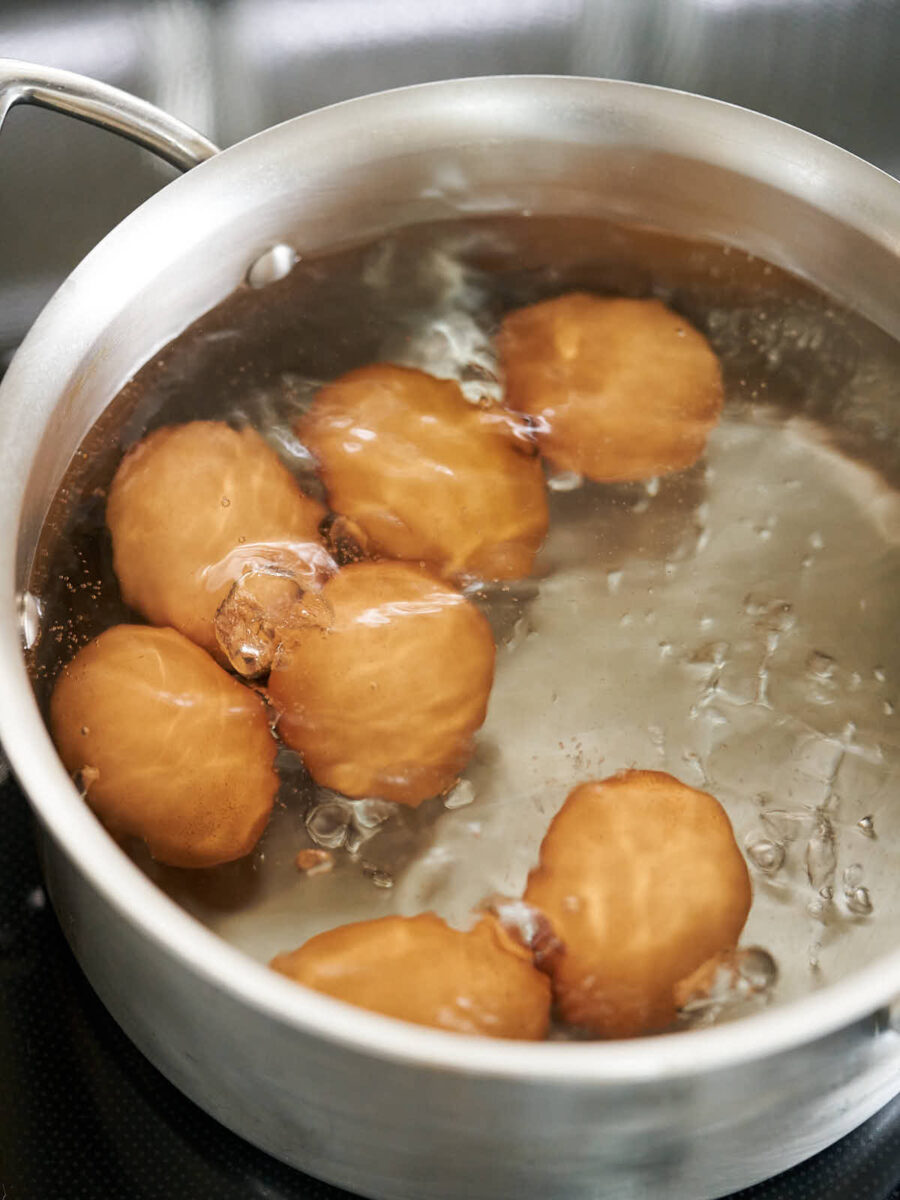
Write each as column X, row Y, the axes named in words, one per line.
column 732, row 624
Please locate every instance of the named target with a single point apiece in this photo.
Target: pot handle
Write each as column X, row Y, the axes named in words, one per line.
column 99, row 104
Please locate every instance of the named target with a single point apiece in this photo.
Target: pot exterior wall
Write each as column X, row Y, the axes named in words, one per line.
column 400, row 1132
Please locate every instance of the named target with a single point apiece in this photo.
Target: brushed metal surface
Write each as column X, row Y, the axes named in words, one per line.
column 383, row 1108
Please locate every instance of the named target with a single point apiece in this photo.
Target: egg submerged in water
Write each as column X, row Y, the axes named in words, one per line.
column 642, row 881
column 194, row 507
column 428, row 476
column 419, row 969
column 167, row 746
column 383, row 694
column 619, row 389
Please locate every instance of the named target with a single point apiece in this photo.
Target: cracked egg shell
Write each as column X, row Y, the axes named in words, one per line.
column 383, row 696
column 428, row 476
column 169, row 747
column 191, row 508
column 643, row 882
column 420, row 969
column 620, row 389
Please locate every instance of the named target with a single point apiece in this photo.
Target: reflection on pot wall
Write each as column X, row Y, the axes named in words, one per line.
column 231, row 67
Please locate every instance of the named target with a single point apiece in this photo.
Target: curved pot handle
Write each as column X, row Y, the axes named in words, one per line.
column 99, row 104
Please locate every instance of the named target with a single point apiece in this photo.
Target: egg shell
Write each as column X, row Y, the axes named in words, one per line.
column 642, row 881
column 428, row 476
column 420, row 969
column 168, row 746
column 191, row 508
column 383, row 698
column 620, row 389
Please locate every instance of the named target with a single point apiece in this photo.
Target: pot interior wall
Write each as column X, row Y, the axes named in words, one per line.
column 732, row 626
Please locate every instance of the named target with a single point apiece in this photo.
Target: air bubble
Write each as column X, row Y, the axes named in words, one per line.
column 381, row 879
column 860, row 902
column 369, row 814
column 821, row 858
column 758, row 968
column 766, row 855
column 866, row 826
column 273, row 264
column 328, row 824
column 30, row 616
column 461, row 795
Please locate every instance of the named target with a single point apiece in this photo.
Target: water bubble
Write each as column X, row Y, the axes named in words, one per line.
column 613, row 581
column 328, row 824
column 879, row 674
column 652, row 486
column 821, row 857
column 369, row 814
column 461, row 795
column 758, row 968
column 30, row 615
column 724, row 982
column 273, row 264
column 866, row 826
column 816, row 541
column 860, row 902
column 381, row 879
column 888, row 708
column 766, row 855
column 819, row 910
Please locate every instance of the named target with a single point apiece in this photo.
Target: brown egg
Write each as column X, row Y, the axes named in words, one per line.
column 426, row 475
column 643, row 882
column 419, row 969
column 620, row 389
column 383, row 696
column 194, row 506
column 169, row 747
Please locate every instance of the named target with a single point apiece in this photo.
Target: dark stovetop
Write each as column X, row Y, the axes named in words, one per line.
column 84, row 1116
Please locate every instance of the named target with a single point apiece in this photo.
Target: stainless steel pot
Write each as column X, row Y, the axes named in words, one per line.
column 386, row 1109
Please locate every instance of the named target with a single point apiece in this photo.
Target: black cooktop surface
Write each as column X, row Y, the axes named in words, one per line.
column 86, row 1117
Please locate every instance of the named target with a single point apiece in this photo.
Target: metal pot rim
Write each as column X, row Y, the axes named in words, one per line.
column 866, row 198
